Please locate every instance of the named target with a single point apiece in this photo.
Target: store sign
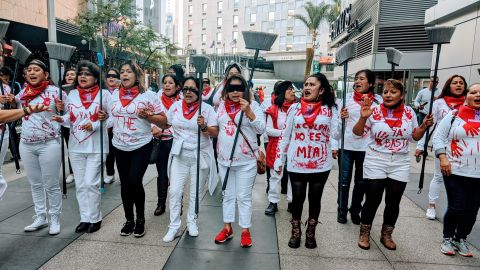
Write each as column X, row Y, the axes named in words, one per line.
column 343, row 23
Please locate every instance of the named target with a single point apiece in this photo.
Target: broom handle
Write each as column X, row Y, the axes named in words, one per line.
column 198, row 147
column 60, row 96
column 342, row 147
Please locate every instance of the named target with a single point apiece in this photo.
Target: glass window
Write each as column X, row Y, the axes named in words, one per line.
column 330, row 67
column 189, row 37
column 264, row 26
column 289, row 47
column 291, row 12
column 278, row 7
column 270, row 30
column 190, row 24
column 204, row 8
column 247, row 12
column 253, row 18
column 235, row 35
column 219, row 36
column 204, row 38
column 204, row 23
column 235, row 19
column 220, row 5
column 190, row 10
column 219, row 21
column 236, row 3
column 272, row 1
column 278, row 25
column 284, row 25
column 234, row 50
column 282, row 40
column 271, row 16
column 219, row 50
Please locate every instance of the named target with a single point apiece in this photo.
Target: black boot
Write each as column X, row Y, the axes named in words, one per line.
column 355, row 217
column 94, row 227
column 271, row 209
column 82, row 227
column 289, row 207
column 341, row 218
column 310, row 241
column 296, row 234
column 162, row 191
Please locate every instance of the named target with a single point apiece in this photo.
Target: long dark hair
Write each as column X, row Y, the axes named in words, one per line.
column 279, row 89
column 64, row 79
column 139, row 74
column 446, row 86
column 229, row 67
column 370, row 78
column 179, row 72
column 247, row 96
column 92, row 67
column 328, row 98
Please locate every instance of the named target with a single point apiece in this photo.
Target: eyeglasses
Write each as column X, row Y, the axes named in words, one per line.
column 112, row 76
column 85, row 73
column 191, row 89
column 235, row 88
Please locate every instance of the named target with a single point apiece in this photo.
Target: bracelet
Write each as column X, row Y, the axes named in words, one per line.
column 25, row 111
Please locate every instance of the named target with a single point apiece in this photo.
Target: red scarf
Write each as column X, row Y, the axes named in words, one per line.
column 205, row 91
column 32, row 92
column 472, row 119
column 359, row 97
column 127, row 95
column 393, row 117
column 454, row 102
column 310, row 111
column 232, row 108
column 189, row 110
column 87, row 96
column 286, row 106
column 168, row 101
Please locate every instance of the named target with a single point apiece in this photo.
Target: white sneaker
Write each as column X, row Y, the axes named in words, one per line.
column 109, row 179
column 54, row 225
column 171, row 235
column 38, row 223
column 192, row 229
column 431, row 213
column 70, row 179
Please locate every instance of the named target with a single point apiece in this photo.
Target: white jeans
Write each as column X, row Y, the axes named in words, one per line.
column 239, row 189
column 86, row 169
column 436, row 184
column 273, row 192
column 3, row 182
column 42, row 166
column 184, row 166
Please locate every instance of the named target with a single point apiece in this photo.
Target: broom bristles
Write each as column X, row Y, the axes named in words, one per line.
column 3, row 28
column 59, row 51
column 393, row 55
column 258, row 40
column 20, row 52
column 345, row 53
column 200, row 62
column 440, row 34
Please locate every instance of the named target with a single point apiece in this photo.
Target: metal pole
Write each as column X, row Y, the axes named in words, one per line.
column 52, row 37
column 340, row 164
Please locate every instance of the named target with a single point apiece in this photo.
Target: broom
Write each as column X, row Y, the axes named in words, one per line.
column 436, row 35
column 3, row 31
column 100, row 55
column 200, row 62
column 343, row 55
column 254, row 41
column 62, row 53
column 393, row 57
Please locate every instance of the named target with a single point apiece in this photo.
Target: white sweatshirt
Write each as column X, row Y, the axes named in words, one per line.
column 130, row 132
column 391, row 140
column 465, row 157
column 76, row 115
column 439, row 110
column 39, row 127
column 242, row 155
column 308, row 150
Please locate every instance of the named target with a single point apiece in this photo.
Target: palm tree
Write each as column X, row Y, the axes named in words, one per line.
column 316, row 14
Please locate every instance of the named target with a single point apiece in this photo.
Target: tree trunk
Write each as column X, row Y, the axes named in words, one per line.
column 309, row 61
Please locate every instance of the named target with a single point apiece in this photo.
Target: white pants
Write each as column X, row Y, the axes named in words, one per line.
column 42, row 166
column 436, row 184
column 273, row 192
column 184, row 166
column 239, row 189
column 3, row 182
column 86, row 169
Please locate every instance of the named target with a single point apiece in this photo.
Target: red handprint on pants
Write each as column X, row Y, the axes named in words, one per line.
column 456, row 149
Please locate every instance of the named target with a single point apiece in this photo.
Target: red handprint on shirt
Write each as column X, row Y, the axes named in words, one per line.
column 471, row 130
column 94, row 116
column 456, row 149
column 73, row 118
column 47, row 101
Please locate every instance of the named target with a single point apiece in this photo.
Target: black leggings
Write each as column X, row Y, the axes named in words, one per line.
column 316, row 183
column 131, row 166
column 110, row 162
column 162, row 167
column 463, row 195
column 374, row 192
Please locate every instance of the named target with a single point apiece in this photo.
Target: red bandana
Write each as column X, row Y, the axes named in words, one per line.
column 359, row 97
column 127, row 95
column 232, row 108
column 189, row 110
column 472, row 119
column 205, row 91
column 32, row 92
column 286, row 106
column 393, row 117
column 168, row 101
column 272, row 98
column 310, row 111
column 87, row 96
column 454, row 102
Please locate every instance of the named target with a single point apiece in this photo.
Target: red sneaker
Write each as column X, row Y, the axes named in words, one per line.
column 246, row 240
column 223, row 236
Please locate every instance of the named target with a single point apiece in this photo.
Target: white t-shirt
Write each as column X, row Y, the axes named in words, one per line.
column 439, row 110
column 353, row 142
column 308, row 150
column 130, row 132
column 389, row 140
column 39, row 127
column 186, row 130
column 76, row 115
column 465, row 157
column 242, row 155
column 6, row 90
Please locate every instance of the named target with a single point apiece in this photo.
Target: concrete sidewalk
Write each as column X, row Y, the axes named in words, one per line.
column 418, row 239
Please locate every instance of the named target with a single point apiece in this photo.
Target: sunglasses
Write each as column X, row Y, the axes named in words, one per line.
column 235, row 88
column 191, row 89
column 112, row 76
column 85, row 73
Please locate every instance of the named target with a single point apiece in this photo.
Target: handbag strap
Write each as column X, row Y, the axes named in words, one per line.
column 245, row 139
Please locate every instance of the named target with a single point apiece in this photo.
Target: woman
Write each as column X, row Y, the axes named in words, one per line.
column 67, row 83
column 168, row 96
column 184, row 119
column 218, row 92
column 132, row 111
column 308, row 144
column 354, row 148
column 387, row 164
column 243, row 165
column 40, row 147
column 83, row 116
column 206, row 91
column 6, row 97
column 456, row 145
column 276, row 117
column 113, row 81
column 451, row 97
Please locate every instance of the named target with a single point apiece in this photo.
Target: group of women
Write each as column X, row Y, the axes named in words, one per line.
column 303, row 141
